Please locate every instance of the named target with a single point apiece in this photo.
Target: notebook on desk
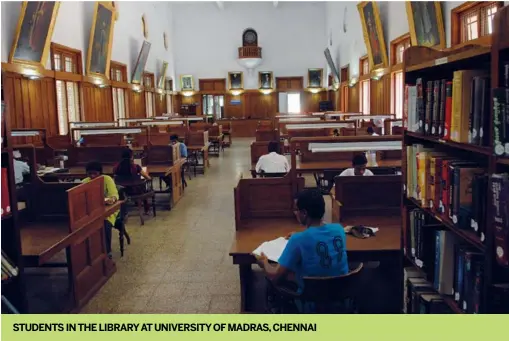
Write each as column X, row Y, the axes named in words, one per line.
column 272, row 249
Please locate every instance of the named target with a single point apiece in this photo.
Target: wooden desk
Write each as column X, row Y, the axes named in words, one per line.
column 193, row 152
column 175, row 172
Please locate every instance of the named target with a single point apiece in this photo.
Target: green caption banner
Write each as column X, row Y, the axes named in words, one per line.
column 251, row 327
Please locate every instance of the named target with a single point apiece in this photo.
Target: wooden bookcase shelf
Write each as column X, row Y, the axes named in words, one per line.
column 430, row 64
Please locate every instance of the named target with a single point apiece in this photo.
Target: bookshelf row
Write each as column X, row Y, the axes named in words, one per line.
column 455, row 204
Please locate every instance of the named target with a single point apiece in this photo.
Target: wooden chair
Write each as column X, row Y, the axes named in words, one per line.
column 137, row 191
column 121, row 221
column 328, row 294
column 272, row 175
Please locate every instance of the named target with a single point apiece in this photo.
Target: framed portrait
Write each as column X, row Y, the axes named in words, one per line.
column 139, row 67
column 315, row 78
column 373, row 34
column 33, row 33
column 162, row 77
column 426, row 23
column 186, row 82
column 235, row 80
column 101, row 37
column 265, row 80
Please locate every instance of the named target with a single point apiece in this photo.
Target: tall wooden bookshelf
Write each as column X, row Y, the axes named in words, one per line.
column 13, row 288
column 430, row 64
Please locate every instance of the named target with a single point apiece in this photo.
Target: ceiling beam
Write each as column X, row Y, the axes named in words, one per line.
column 220, row 5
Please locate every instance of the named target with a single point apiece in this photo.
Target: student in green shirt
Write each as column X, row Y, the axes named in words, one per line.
column 95, row 169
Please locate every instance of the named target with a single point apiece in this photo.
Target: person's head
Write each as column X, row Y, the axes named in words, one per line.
column 370, row 130
column 273, row 147
column 359, row 163
column 127, row 154
column 336, row 132
column 174, row 139
column 310, row 206
column 94, row 169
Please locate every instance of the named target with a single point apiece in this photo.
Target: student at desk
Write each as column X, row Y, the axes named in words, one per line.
column 95, row 169
column 127, row 170
column 319, row 251
column 273, row 162
column 371, row 131
column 174, row 140
column 359, row 163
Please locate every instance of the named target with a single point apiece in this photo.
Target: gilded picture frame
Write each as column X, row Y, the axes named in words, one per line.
column 36, row 19
column 186, row 83
column 101, row 33
column 141, row 62
column 162, row 77
column 235, row 80
column 315, row 78
column 426, row 23
column 265, row 80
column 373, row 34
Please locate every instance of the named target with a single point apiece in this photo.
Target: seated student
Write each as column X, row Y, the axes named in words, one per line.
column 335, row 132
column 95, row 169
column 273, row 162
column 21, row 168
column 318, row 251
column 359, row 163
column 371, row 131
column 174, row 140
column 127, row 170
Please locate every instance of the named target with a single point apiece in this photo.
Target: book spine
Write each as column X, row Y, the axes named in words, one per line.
column 451, row 191
column 448, row 110
column 428, row 122
column 419, row 236
column 422, row 178
column 436, row 109
column 485, row 109
column 499, row 299
column 441, row 115
column 445, row 188
column 431, row 183
column 457, row 87
column 405, row 108
column 474, row 217
column 456, row 195
column 459, row 271
column 420, row 105
column 467, row 281
column 478, row 275
column 505, row 114
column 438, row 185
column 475, row 110
column 484, row 208
column 505, row 74
column 500, row 187
column 436, row 279
column 498, row 98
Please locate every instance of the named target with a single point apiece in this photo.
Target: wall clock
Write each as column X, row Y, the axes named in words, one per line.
column 250, row 38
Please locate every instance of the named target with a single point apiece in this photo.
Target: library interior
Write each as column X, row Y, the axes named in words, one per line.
column 275, row 157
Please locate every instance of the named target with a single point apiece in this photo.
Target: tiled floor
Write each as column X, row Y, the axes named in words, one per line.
column 178, row 261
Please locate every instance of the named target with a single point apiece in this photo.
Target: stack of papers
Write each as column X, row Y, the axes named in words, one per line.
column 272, row 249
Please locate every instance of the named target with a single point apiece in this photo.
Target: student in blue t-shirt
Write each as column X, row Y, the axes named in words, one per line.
column 319, row 251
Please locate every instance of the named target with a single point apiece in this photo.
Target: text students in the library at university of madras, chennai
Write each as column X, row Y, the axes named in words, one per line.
column 273, row 162
column 299, row 258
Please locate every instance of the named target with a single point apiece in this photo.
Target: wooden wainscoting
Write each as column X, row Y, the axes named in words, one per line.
column 137, row 104
column 234, row 110
column 160, row 103
column 31, row 103
column 97, row 103
column 311, row 102
column 353, row 98
column 258, row 105
column 381, row 95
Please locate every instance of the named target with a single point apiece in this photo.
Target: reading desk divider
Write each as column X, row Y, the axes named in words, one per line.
column 45, row 155
column 107, row 136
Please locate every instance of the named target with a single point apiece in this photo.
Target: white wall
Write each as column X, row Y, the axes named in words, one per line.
column 74, row 20
column 348, row 47
column 207, row 38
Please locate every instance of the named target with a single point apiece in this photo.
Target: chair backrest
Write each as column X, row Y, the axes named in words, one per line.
column 325, row 291
column 272, row 175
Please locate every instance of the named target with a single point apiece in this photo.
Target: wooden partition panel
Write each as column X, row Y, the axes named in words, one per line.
column 160, row 104
column 200, row 126
column 161, row 155
column 86, row 203
column 179, row 131
column 30, row 103
column 259, row 105
column 365, row 195
column 311, row 101
column 266, row 197
column 258, row 149
column 80, row 156
column 59, row 142
column 137, row 104
column 197, row 138
column 266, row 135
column 103, row 140
column 381, row 95
column 309, row 132
column 232, row 108
column 97, row 103
column 353, row 98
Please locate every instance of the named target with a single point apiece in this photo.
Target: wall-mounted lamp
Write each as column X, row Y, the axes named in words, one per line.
column 353, row 81
column 236, row 92
column 31, row 74
column 187, row 93
column 377, row 74
column 136, row 88
column 159, row 91
column 266, row 91
column 314, row 90
column 335, row 86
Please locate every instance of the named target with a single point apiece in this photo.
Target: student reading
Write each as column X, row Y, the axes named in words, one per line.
column 318, row 251
column 273, row 162
column 127, row 170
column 359, row 163
column 95, row 169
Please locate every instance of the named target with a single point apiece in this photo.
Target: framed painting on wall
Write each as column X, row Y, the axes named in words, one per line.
column 33, row 32
column 162, row 77
column 101, row 38
column 265, row 80
column 186, row 83
column 315, row 77
column 373, row 34
column 235, row 80
column 426, row 23
column 139, row 67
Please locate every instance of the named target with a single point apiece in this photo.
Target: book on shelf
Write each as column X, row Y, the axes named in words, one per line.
column 499, row 298
column 448, row 110
column 501, row 121
column 420, row 105
column 408, row 272
column 5, row 200
column 505, row 74
column 445, row 242
column 472, row 281
column 411, row 119
column 500, row 197
column 422, row 299
column 8, row 267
